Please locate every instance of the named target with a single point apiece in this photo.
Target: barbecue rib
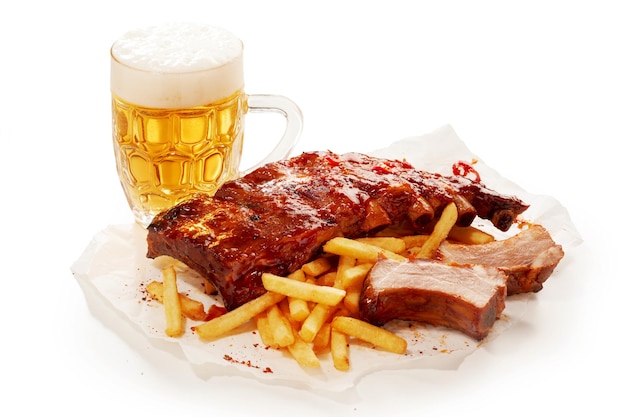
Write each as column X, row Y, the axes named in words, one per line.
column 528, row 258
column 277, row 217
column 465, row 298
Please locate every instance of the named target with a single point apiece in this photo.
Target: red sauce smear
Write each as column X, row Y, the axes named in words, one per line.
column 464, row 169
column 215, row 311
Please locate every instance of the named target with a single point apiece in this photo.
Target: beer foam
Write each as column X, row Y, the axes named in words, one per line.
column 176, row 65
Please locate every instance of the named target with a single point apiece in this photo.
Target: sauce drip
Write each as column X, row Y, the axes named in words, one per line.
column 465, row 169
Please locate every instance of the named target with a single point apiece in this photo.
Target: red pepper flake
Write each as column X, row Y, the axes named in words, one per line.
column 247, row 363
column 465, row 169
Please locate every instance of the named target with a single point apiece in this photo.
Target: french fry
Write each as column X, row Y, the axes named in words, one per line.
column 298, row 275
column 282, row 333
column 264, row 329
column 312, row 325
column 235, row 318
column 470, row 235
column 353, row 277
column 303, row 290
column 303, row 353
column 298, row 308
column 164, row 261
column 448, row 218
column 322, row 339
column 369, row 333
column 352, row 299
column 283, row 305
column 192, row 309
column 155, row 291
column 349, row 247
column 352, row 282
column 339, row 350
column 343, row 264
column 317, row 266
column 171, row 302
column 328, row 279
column 413, row 241
column 393, row 244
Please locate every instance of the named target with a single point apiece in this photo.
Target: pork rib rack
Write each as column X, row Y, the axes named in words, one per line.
column 277, row 217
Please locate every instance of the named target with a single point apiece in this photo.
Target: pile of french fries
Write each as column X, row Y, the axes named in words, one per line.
column 316, row 308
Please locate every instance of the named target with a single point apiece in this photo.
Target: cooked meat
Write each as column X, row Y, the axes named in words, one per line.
column 465, row 298
column 528, row 258
column 278, row 216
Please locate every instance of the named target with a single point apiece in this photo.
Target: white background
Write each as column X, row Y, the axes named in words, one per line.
column 535, row 88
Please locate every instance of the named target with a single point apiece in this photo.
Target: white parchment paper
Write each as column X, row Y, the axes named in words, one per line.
column 115, row 270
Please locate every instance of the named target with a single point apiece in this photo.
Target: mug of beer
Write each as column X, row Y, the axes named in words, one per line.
column 178, row 107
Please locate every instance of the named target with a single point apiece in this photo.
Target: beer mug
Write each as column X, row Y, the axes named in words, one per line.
column 178, row 107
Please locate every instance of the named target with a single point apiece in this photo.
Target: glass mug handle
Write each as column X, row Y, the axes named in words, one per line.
column 293, row 129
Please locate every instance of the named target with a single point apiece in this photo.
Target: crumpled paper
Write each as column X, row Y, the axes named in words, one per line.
column 115, row 270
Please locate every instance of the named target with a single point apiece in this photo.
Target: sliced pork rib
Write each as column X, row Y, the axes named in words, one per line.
column 278, row 216
column 466, row 298
column 528, row 258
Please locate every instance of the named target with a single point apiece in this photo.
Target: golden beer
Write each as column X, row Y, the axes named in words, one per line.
column 178, row 107
column 163, row 155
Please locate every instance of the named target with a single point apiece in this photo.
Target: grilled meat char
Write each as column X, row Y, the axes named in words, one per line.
column 527, row 258
column 277, row 217
column 466, row 298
